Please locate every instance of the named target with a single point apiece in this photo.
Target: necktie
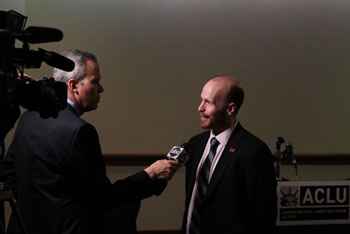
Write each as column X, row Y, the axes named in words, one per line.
column 202, row 186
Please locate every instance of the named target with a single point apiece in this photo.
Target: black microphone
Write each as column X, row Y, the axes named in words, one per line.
column 278, row 156
column 33, row 59
column 279, row 142
column 290, row 153
column 40, row 35
column 56, row 60
column 27, row 58
column 291, row 156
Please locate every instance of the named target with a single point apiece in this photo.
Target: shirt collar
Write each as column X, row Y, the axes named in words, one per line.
column 72, row 104
column 224, row 136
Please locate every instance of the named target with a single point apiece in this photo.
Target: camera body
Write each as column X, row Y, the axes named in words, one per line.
column 45, row 96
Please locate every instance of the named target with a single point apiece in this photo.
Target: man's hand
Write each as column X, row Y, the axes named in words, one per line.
column 162, row 169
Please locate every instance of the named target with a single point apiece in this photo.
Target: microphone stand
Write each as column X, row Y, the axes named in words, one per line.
column 290, row 155
column 286, row 154
column 278, row 156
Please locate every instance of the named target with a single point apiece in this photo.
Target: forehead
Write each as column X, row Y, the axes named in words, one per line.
column 92, row 68
column 213, row 90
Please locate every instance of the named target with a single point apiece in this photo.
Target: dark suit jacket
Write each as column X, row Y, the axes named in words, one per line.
column 241, row 197
column 60, row 175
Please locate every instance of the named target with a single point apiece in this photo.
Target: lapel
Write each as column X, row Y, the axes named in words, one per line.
column 197, row 155
column 225, row 159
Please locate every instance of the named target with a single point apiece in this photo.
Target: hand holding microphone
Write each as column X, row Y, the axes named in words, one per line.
column 166, row 168
column 162, row 169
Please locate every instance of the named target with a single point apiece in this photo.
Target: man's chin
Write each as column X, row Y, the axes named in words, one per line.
column 204, row 125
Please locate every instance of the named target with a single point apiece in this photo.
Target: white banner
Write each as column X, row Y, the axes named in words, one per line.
column 313, row 202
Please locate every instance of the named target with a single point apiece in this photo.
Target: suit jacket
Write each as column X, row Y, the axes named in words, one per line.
column 241, row 196
column 60, row 176
column 122, row 219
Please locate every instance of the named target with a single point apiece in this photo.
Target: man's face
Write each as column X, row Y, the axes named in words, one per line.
column 212, row 108
column 89, row 88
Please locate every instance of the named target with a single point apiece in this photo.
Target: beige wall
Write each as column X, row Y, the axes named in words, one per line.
column 292, row 57
column 18, row 5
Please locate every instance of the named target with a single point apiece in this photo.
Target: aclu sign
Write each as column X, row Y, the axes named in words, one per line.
column 324, row 195
column 313, row 202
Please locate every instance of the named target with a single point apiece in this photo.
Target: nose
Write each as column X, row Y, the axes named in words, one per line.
column 100, row 88
column 201, row 107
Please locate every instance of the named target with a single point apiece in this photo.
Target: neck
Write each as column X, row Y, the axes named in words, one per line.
column 75, row 106
column 222, row 128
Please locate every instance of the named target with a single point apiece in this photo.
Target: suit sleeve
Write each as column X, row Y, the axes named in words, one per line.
column 7, row 171
column 261, row 190
column 86, row 171
column 7, row 164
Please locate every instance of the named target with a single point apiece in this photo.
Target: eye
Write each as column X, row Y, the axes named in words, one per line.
column 206, row 101
column 95, row 82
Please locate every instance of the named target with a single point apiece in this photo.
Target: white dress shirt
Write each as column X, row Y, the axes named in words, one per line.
column 223, row 138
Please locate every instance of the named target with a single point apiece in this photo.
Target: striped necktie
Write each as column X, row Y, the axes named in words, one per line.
column 202, row 187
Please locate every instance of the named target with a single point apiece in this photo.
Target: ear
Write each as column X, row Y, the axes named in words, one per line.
column 72, row 85
column 231, row 109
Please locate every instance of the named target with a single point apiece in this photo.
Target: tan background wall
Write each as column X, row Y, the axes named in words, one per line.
column 292, row 57
column 18, row 5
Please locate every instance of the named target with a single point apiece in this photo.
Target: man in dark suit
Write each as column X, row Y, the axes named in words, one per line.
column 60, row 175
column 230, row 178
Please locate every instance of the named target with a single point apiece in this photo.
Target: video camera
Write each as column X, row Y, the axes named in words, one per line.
column 16, row 89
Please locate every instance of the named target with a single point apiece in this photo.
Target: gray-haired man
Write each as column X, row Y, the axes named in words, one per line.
column 61, row 180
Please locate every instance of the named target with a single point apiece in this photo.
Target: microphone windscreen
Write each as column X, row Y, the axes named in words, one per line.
column 56, row 60
column 40, row 35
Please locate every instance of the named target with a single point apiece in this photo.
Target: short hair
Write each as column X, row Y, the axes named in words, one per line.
column 79, row 58
column 235, row 95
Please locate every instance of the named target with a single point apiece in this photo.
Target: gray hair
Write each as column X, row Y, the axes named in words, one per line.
column 79, row 58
